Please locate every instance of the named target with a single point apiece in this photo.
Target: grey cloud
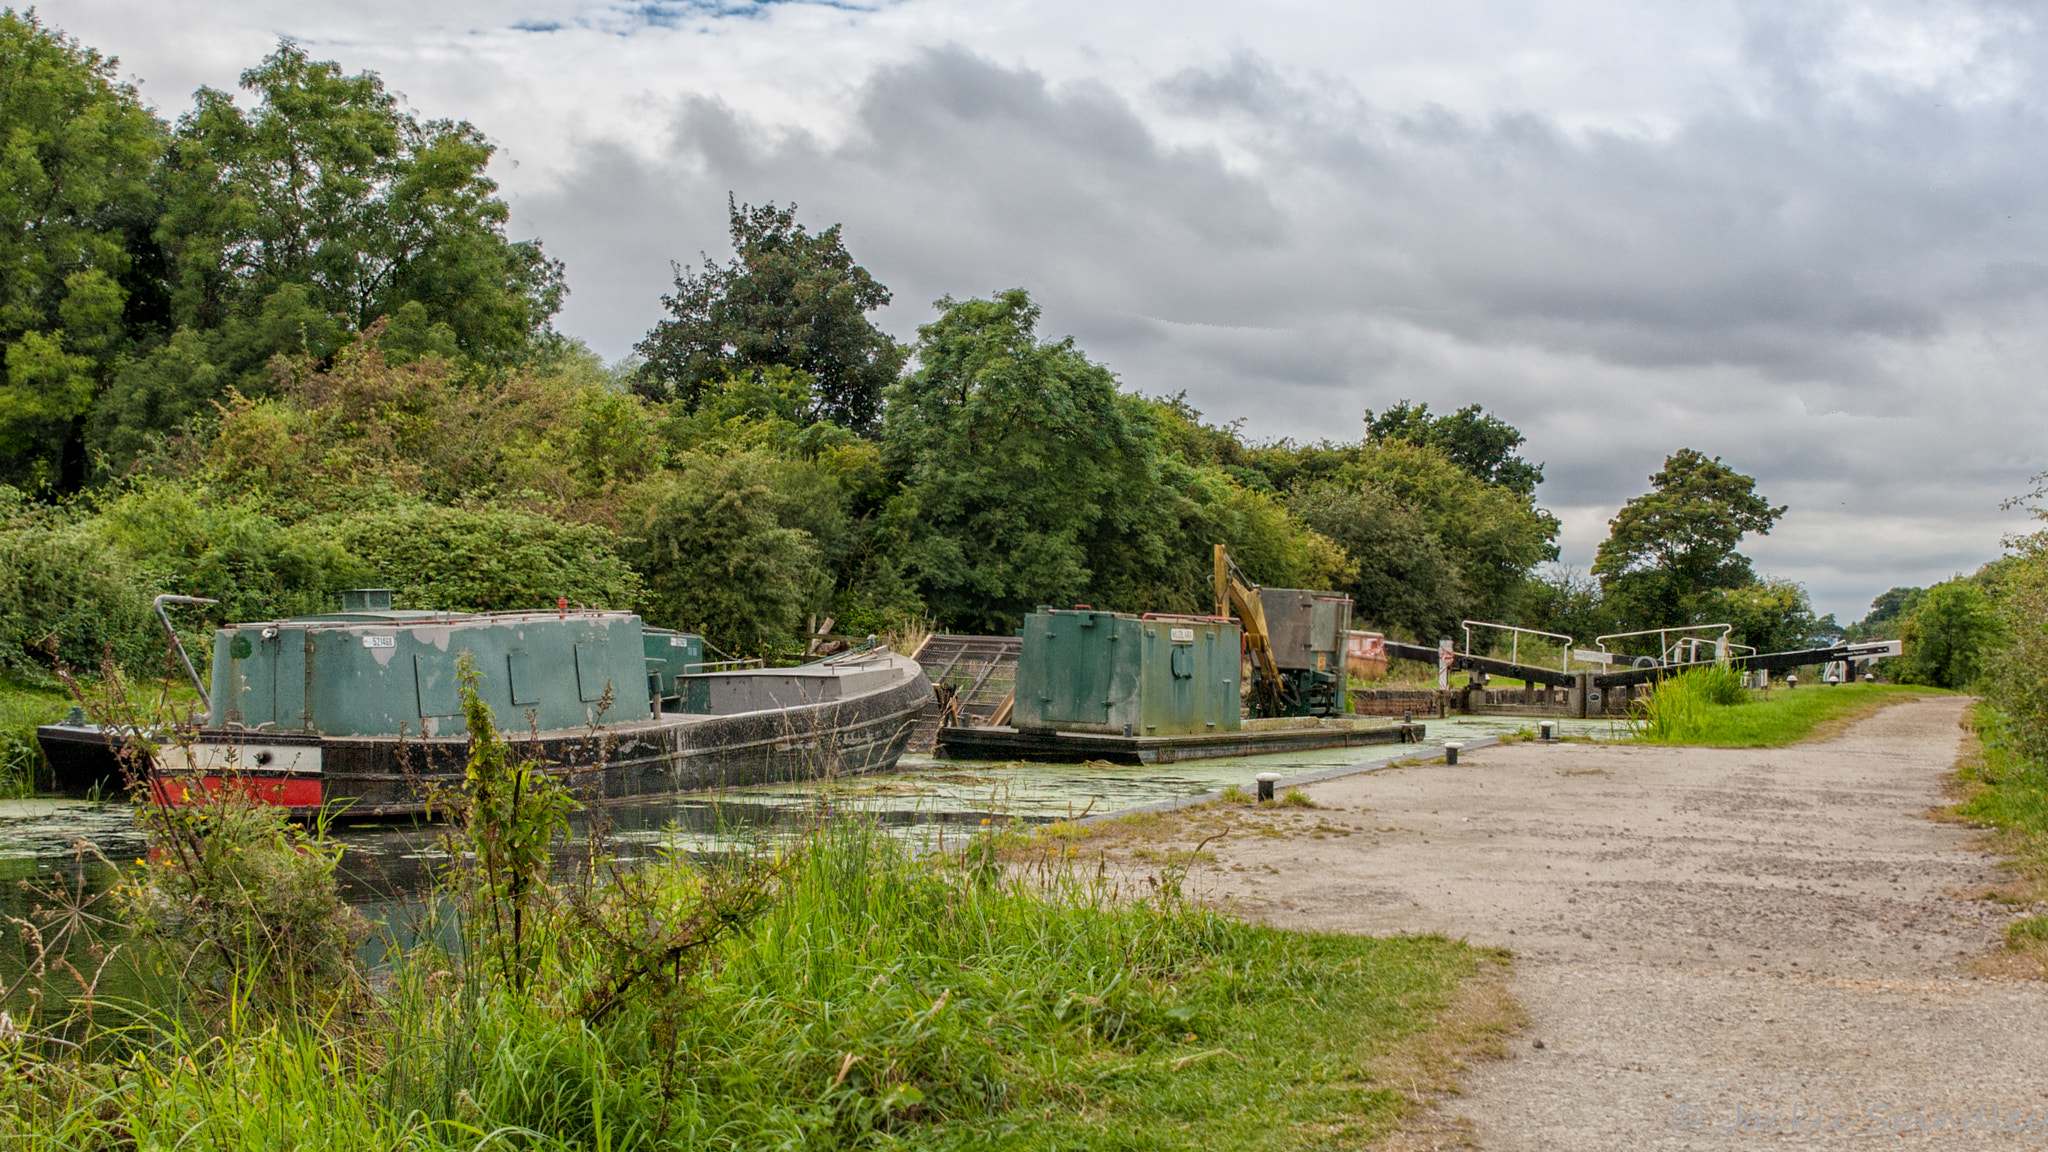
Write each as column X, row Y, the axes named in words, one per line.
column 1835, row 289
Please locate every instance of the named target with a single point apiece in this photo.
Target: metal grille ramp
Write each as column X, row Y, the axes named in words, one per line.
column 980, row 670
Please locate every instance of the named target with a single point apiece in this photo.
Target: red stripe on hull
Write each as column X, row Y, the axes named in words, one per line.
column 289, row 792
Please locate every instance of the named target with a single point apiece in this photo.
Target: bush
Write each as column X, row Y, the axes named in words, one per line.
column 717, row 559
column 66, row 593
column 1950, row 635
column 198, row 543
column 243, row 904
column 481, row 560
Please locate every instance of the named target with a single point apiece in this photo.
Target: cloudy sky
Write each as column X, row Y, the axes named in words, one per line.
column 1810, row 239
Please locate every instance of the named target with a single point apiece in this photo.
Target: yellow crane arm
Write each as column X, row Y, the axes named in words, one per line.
column 1239, row 597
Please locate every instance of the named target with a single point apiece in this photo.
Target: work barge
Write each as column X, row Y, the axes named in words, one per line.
column 1088, row 685
column 1085, row 685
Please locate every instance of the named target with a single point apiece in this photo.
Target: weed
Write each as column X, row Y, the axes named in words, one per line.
column 1296, row 798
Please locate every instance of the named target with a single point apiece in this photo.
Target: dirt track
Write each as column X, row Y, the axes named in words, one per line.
column 1705, row 939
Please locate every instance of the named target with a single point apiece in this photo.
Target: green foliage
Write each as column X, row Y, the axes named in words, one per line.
column 2015, row 672
column 76, row 151
column 482, row 560
column 197, row 543
column 789, row 299
column 1484, row 446
column 1406, row 581
column 716, row 557
column 880, row 1000
column 241, row 903
column 328, row 185
column 1673, row 547
column 1679, row 709
column 1953, row 628
column 1784, row 716
column 1771, row 616
column 1888, row 613
column 511, row 811
column 1021, row 468
column 2007, row 789
column 1492, row 534
column 67, row 593
column 1565, row 600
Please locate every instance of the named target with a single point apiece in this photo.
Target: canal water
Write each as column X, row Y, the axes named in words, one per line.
column 81, row 847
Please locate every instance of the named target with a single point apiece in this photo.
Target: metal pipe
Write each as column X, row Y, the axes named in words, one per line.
column 178, row 645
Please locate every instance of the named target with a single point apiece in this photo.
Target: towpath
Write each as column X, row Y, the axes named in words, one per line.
column 1716, row 949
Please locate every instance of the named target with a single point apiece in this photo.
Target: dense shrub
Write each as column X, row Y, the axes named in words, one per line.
column 476, row 559
column 716, row 557
column 66, row 593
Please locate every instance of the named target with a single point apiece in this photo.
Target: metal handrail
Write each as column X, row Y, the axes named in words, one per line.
column 1665, row 646
column 1515, row 642
column 178, row 645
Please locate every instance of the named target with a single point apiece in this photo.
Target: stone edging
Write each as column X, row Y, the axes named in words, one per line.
column 1472, row 745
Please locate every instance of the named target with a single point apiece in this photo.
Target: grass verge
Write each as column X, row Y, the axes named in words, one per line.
column 880, row 1001
column 22, row 708
column 1999, row 790
column 1781, row 717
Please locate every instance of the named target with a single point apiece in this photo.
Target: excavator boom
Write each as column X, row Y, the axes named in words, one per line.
column 1239, row 597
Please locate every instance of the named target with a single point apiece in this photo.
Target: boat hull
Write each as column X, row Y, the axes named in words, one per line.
column 381, row 778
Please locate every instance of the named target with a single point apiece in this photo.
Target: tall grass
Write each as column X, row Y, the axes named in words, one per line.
column 1681, row 708
column 881, row 1000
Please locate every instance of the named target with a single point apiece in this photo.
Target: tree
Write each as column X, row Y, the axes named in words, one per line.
column 1404, row 580
column 1671, row 548
column 294, row 225
column 1949, row 637
column 76, row 151
column 715, row 557
column 1021, row 471
column 788, row 298
column 1772, row 615
column 1484, row 446
column 1494, row 535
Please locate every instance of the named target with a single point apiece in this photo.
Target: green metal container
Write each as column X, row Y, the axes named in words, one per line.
column 384, row 673
column 1088, row 671
column 671, row 654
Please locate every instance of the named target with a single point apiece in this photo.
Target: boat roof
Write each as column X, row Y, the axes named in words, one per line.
column 398, row 617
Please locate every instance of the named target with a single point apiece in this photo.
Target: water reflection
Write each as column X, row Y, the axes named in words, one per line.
column 387, row 870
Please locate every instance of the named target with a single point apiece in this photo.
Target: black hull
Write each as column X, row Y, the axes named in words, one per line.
column 393, row 778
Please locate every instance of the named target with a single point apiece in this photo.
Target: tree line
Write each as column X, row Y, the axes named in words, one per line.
column 284, row 345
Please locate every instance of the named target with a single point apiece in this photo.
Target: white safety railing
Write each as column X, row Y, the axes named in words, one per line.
column 1515, row 633
column 1687, row 642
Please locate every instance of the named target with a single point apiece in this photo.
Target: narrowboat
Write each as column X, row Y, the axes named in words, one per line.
column 359, row 712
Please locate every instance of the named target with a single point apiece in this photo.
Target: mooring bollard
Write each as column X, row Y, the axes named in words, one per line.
column 1451, row 751
column 1549, row 731
column 1266, row 781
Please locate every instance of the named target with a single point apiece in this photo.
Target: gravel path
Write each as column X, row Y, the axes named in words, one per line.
column 1717, row 949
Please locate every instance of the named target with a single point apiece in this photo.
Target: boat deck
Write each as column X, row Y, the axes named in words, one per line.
column 1037, row 744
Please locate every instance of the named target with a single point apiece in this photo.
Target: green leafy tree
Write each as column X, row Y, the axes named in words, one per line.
column 1887, row 614
column 788, row 298
column 1022, row 472
column 76, row 152
column 292, row 225
column 1484, row 446
column 1673, row 548
column 1404, row 581
column 1494, row 535
column 717, row 559
column 1772, row 615
column 1949, row 637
